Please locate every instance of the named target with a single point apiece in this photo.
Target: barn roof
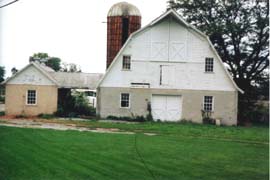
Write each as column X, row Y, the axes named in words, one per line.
column 174, row 14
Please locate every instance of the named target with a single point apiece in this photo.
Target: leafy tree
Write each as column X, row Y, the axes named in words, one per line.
column 2, row 73
column 171, row 4
column 52, row 62
column 70, row 67
column 39, row 56
column 14, row 70
column 239, row 30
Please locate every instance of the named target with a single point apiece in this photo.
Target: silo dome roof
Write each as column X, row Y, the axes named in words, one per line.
column 124, row 9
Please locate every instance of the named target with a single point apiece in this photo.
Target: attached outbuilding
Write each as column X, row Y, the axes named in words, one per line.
column 35, row 89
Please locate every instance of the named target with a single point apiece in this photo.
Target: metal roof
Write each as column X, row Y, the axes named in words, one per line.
column 124, row 9
column 65, row 79
column 73, row 79
column 76, row 80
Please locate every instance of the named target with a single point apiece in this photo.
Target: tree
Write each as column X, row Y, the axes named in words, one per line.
column 70, row 67
column 171, row 4
column 14, row 70
column 39, row 57
column 52, row 62
column 239, row 30
column 2, row 73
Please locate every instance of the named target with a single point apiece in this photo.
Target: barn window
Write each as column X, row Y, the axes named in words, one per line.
column 209, row 64
column 208, row 103
column 31, row 97
column 125, row 100
column 126, row 63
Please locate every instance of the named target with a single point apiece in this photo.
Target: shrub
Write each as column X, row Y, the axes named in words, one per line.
column 149, row 116
column 259, row 114
column 2, row 99
column 46, row 116
column 81, row 105
column 207, row 119
column 2, row 113
column 20, row 116
column 185, row 121
column 75, row 105
column 126, row 118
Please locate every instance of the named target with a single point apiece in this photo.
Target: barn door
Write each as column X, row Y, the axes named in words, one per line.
column 166, row 108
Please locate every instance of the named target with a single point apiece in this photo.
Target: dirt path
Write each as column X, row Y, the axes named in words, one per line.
column 27, row 123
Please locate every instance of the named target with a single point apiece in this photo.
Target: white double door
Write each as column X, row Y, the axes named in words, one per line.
column 166, row 107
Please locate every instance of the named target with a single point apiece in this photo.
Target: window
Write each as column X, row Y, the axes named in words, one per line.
column 31, row 97
column 209, row 64
column 125, row 100
column 208, row 103
column 126, row 63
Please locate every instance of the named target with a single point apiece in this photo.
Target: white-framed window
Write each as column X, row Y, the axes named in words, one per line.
column 124, row 101
column 209, row 64
column 208, row 103
column 31, row 97
column 126, row 62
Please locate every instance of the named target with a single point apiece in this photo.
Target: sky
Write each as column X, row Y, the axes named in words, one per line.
column 73, row 30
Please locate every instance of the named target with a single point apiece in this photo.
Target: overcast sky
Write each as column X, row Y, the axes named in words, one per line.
column 69, row 29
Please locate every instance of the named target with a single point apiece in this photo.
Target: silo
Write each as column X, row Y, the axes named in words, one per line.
column 123, row 19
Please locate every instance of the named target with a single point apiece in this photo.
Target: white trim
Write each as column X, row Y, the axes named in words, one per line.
column 129, row 98
column 26, row 67
column 213, row 102
column 123, row 62
column 173, row 12
column 26, row 99
column 207, row 67
column 224, row 68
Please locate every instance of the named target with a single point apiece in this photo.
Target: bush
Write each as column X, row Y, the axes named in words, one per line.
column 126, row 118
column 259, row 115
column 149, row 116
column 207, row 119
column 2, row 99
column 76, row 105
column 46, row 116
column 2, row 113
column 20, row 116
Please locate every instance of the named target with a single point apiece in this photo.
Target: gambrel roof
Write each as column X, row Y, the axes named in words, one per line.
column 174, row 14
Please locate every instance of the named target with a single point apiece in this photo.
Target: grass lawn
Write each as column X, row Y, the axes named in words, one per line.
column 178, row 151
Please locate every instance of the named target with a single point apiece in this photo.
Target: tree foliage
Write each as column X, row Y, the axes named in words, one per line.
column 70, row 67
column 14, row 70
column 239, row 30
column 52, row 62
column 2, row 73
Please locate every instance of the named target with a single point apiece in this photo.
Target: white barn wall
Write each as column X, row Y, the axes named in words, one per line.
column 168, row 39
column 31, row 76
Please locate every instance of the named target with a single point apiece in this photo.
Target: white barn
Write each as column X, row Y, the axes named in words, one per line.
column 174, row 67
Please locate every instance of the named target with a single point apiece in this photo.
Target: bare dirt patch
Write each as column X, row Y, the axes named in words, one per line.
column 59, row 125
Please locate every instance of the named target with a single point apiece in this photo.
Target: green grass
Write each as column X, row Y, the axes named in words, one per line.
column 177, row 152
column 258, row 134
